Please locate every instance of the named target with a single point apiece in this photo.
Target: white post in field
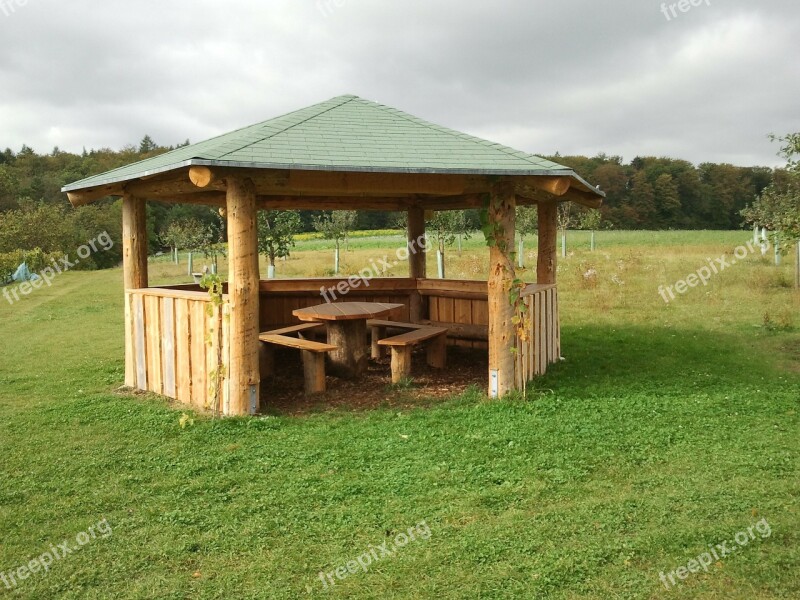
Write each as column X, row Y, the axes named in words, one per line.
column 271, row 272
column 521, row 253
column 336, row 261
column 797, row 267
column 191, row 264
column 755, row 234
column 591, row 245
column 440, row 263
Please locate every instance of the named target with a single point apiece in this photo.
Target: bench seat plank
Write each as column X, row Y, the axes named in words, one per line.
column 294, row 329
column 397, row 324
column 461, row 330
column 291, row 342
column 414, row 337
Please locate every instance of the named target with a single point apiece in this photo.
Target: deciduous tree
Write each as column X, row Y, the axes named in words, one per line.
column 276, row 231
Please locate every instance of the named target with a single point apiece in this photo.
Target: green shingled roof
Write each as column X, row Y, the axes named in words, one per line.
column 346, row 133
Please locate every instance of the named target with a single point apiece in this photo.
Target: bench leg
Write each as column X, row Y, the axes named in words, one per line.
column 314, row 371
column 437, row 352
column 266, row 360
column 401, row 363
column 378, row 333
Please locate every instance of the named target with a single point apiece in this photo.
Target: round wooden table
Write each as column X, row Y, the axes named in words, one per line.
column 346, row 323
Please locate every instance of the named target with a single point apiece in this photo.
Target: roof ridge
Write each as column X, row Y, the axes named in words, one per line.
column 322, row 111
column 459, row 134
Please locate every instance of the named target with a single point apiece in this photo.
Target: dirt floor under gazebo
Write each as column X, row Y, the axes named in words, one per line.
column 466, row 367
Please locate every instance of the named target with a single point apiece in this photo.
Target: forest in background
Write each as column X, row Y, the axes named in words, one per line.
column 646, row 193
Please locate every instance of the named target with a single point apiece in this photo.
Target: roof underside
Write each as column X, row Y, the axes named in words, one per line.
column 347, row 134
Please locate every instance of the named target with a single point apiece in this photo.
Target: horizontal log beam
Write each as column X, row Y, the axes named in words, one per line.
column 326, row 182
column 586, row 199
column 201, row 177
column 529, row 197
column 557, row 186
column 434, row 203
column 212, row 199
column 302, row 202
column 89, row 195
column 274, row 181
column 331, row 203
column 326, row 190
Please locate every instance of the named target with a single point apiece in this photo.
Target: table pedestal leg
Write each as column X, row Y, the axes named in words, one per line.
column 350, row 359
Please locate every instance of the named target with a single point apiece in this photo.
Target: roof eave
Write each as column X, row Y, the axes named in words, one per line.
column 83, row 185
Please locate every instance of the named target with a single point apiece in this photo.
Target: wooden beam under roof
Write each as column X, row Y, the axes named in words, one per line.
column 332, row 190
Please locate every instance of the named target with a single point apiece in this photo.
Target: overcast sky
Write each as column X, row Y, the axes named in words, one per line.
column 574, row 76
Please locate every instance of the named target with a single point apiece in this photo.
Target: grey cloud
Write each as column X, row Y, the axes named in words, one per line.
column 576, row 76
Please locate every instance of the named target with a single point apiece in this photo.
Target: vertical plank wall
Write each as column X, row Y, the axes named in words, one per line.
column 542, row 346
column 175, row 346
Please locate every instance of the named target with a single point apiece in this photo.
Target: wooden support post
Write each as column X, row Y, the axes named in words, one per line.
column 502, row 333
column 134, row 268
column 416, row 259
column 266, row 361
column 401, row 363
column 134, row 242
column 437, row 352
column 548, row 232
column 314, row 371
column 416, row 242
column 377, row 334
column 243, row 294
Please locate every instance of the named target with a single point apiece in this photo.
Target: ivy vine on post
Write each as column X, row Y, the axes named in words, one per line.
column 213, row 283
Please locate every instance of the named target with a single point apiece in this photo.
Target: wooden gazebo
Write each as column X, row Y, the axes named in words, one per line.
column 343, row 154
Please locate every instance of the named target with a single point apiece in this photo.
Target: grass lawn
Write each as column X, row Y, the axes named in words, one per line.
column 668, row 430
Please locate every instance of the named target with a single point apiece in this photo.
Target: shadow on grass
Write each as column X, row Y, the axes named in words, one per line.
column 663, row 361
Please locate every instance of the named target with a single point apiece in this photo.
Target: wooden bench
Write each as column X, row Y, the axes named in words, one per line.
column 378, row 330
column 402, row 345
column 461, row 331
column 313, row 355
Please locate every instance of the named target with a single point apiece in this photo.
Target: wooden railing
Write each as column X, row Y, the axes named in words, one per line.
column 176, row 345
column 279, row 297
column 450, row 301
column 177, row 340
column 540, row 346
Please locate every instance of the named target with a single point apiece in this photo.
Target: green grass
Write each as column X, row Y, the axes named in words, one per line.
column 668, row 428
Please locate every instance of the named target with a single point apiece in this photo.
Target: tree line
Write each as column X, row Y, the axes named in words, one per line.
column 646, row 193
